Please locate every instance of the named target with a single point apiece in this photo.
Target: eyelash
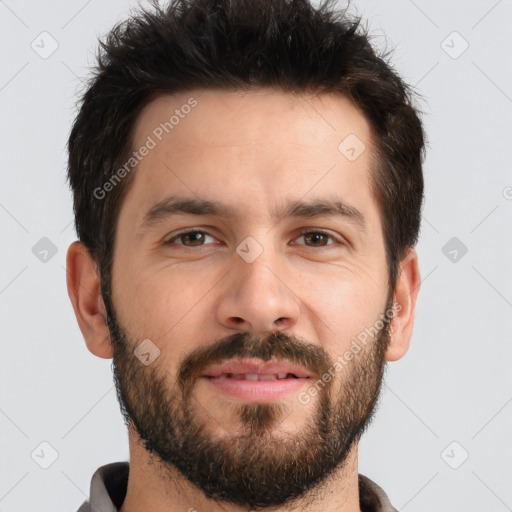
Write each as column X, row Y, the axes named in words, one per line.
column 302, row 233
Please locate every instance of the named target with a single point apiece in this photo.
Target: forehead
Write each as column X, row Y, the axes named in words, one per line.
column 219, row 117
column 249, row 146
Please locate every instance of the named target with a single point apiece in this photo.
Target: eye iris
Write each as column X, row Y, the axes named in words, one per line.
column 193, row 235
column 316, row 237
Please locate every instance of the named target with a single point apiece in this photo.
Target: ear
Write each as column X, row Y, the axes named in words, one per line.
column 406, row 292
column 83, row 284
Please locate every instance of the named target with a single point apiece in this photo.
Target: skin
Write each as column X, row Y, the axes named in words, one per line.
column 252, row 151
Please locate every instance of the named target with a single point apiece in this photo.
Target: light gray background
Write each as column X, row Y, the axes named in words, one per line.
column 454, row 385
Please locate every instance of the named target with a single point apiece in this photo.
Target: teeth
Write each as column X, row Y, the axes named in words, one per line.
column 254, row 376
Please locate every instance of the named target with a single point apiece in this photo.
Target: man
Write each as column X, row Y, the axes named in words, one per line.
column 247, row 180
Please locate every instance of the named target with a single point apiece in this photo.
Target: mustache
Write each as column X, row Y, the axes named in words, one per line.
column 275, row 345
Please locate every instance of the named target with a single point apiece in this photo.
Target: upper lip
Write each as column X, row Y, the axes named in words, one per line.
column 255, row 366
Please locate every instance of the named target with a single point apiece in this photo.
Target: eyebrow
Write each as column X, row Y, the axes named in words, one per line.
column 299, row 209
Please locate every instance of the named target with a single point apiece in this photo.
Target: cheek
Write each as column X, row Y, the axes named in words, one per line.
column 346, row 307
column 161, row 302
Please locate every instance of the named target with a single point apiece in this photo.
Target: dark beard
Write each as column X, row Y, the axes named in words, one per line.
column 249, row 468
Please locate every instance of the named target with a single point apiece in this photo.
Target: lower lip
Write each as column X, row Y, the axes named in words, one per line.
column 257, row 390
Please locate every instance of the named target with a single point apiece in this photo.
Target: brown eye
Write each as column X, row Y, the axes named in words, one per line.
column 189, row 238
column 317, row 238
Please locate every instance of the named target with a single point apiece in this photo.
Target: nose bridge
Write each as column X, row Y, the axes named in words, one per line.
column 258, row 297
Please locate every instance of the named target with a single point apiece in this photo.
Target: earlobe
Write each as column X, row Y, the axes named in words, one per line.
column 406, row 292
column 83, row 283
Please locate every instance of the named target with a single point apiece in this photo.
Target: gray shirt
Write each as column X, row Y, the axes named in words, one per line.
column 109, row 484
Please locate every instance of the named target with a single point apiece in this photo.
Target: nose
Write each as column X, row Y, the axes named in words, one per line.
column 257, row 297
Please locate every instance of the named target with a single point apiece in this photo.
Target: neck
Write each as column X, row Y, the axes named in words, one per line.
column 150, row 488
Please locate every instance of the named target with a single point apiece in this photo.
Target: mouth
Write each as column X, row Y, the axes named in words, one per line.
column 257, row 381
column 257, row 369
column 256, row 376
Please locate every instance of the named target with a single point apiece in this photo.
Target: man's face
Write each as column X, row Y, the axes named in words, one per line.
column 255, row 285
